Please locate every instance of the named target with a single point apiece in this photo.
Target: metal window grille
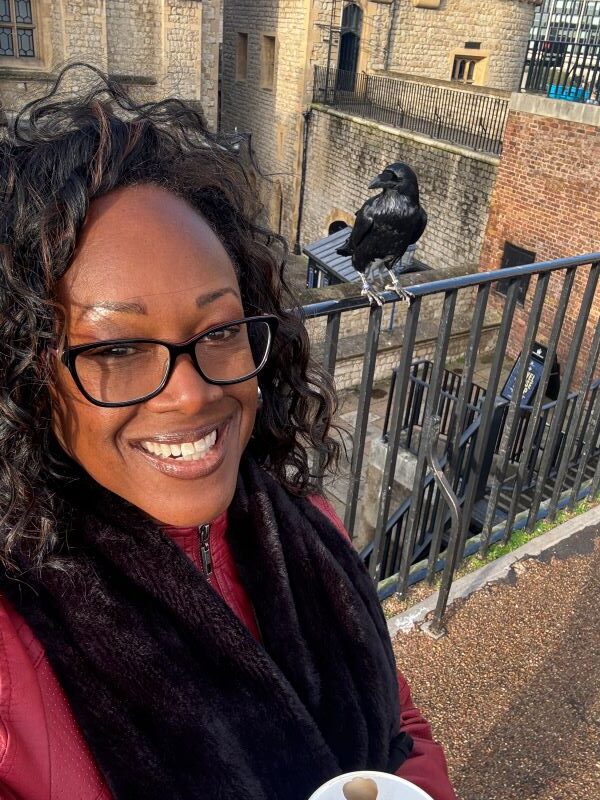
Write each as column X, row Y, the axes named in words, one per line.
column 17, row 29
column 563, row 56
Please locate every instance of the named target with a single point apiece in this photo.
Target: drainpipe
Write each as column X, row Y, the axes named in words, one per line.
column 307, row 119
column 390, row 34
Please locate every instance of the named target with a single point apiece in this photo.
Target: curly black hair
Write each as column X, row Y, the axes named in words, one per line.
column 63, row 153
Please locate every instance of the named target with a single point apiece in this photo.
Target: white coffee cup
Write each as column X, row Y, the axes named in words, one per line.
column 389, row 787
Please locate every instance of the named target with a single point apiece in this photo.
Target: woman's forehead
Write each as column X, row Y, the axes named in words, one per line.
column 144, row 243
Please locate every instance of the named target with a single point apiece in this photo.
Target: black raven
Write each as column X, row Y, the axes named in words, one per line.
column 385, row 226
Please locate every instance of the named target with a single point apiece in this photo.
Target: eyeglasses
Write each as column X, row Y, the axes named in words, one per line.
column 123, row 372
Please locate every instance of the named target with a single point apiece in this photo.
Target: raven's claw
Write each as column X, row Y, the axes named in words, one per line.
column 374, row 297
column 394, row 286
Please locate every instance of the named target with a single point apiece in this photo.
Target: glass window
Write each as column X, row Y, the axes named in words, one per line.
column 17, row 29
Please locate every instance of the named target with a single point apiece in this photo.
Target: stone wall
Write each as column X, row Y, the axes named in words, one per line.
column 272, row 115
column 157, row 47
column 344, row 155
column 546, row 200
column 132, row 38
column 408, row 37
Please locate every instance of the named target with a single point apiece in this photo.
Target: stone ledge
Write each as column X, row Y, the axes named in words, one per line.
column 25, row 75
column 341, row 291
column 134, row 80
column 566, row 110
column 406, row 134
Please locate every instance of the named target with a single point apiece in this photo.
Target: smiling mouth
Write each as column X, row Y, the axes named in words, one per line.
column 182, row 451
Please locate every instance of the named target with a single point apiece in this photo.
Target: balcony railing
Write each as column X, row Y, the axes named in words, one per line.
column 485, row 465
column 463, row 117
column 563, row 69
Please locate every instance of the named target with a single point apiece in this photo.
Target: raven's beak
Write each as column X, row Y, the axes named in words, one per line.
column 377, row 183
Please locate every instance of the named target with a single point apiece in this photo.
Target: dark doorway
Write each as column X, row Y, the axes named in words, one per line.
column 514, row 256
column 337, row 225
column 349, row 45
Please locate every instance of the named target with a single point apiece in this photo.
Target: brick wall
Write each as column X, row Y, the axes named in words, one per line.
column 344, row 155
column 546, row 200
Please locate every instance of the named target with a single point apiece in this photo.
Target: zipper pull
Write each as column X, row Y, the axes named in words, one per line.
column 207, row 564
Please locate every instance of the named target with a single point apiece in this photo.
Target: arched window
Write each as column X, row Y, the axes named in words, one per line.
column 350, row 37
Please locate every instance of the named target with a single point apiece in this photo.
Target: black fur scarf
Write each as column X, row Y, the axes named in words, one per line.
column 175, row 697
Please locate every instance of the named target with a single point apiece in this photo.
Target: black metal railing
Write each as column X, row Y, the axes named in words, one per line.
column 563, row 70
column 414, row 409
column 502, row 465
column 467, row 118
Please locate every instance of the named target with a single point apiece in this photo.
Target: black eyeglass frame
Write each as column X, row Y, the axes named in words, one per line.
column 69, row 357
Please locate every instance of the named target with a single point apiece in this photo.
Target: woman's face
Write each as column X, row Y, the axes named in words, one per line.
column 148, row 266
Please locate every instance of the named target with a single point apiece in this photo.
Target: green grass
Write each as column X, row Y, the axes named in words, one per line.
column 396, row 604
column 521, row 537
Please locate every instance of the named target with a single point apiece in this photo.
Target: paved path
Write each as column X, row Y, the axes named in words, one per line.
column 513, row 690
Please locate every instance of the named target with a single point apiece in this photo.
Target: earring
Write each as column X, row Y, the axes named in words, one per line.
column 259, row 398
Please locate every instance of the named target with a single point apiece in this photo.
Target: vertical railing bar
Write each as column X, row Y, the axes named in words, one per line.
column 332, row 333
column 557, row 419
column 457, row 420
column 589, row 442
column 388, row 408
column 362, row 416
column 510, row 427
column 575, row 421
column 408, row 343
column 489, row 406
column 595, row 487
column 538, row 404
column 433, row 395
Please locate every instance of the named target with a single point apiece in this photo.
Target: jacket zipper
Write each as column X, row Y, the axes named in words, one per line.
column 205, row 554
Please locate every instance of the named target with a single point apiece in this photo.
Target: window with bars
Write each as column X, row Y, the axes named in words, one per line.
column 17, row 29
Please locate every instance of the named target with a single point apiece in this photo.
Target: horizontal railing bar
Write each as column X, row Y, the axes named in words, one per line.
column 326, row 307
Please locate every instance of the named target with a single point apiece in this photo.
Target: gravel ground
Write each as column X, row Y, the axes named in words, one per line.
column 513, row 690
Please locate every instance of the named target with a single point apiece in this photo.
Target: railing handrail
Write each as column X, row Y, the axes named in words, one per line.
column 416, row 105
column 326, row 307
column 518, row 458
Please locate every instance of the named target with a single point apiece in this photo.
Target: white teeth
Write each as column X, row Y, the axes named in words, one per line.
column 186, row 451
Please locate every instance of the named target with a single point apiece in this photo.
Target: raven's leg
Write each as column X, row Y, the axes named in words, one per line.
column 374, row 297
column 395, row 286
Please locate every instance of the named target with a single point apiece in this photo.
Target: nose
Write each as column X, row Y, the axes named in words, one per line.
column 186, row 390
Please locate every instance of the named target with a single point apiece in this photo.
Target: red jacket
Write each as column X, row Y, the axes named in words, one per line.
column 43, row 755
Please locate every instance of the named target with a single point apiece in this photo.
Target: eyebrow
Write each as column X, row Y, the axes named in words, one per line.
column 137, row 307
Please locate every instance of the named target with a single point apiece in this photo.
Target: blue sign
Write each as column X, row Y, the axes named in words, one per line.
column 532, row 378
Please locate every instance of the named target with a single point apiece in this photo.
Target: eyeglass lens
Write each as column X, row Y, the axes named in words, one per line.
column 126, row 371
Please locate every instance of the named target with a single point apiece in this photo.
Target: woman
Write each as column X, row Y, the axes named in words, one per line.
column 181, row 614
